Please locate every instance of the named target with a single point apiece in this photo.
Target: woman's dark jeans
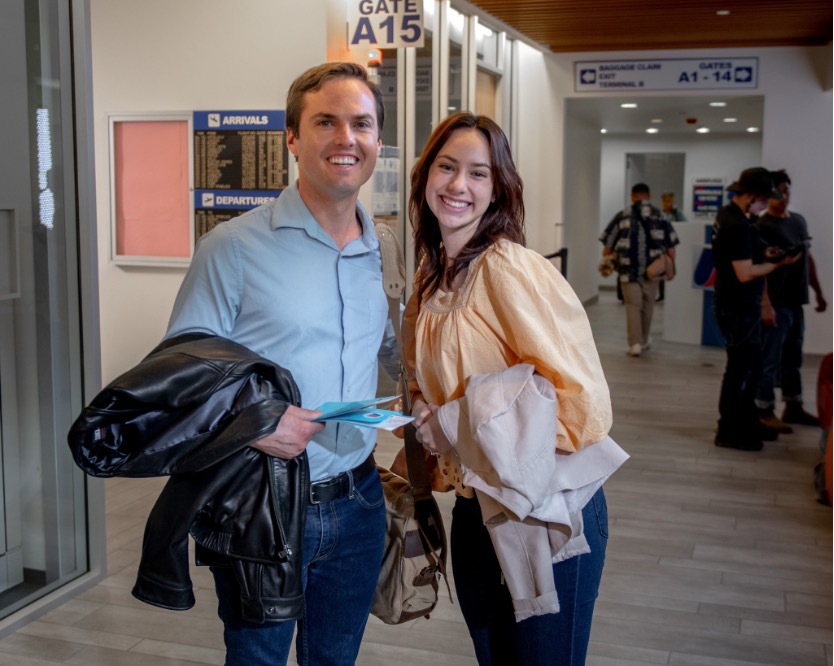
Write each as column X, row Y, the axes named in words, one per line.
column 555, row 639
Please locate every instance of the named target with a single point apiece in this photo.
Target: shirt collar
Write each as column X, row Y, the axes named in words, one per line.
column 291, row 211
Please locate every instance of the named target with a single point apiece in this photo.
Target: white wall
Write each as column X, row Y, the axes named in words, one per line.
column 797, row 135
column 584, row 158
column 199, row 54
column 538, row 135
column 187, row 55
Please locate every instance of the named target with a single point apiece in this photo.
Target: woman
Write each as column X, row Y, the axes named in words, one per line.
column 484, row 303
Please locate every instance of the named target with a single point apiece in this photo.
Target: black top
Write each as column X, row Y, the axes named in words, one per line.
column 736, row 238
column 787, row 285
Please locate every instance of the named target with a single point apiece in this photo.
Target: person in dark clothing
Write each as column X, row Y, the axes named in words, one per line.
column 742, row 260
column 782, row 311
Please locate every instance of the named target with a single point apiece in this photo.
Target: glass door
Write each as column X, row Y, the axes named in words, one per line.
column 40, row 359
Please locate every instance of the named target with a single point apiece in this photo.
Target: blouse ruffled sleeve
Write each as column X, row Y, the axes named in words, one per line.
column 542, row 320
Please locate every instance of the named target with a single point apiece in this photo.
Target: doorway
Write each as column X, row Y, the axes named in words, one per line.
column 662, row 172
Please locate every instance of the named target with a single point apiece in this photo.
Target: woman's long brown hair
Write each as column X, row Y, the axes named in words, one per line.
column 504, row 218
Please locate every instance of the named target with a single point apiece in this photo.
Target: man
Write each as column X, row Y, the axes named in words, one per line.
column 299, row 282
column 670, row 210
column 741, row 262
column 636, row 236
column 782, row 312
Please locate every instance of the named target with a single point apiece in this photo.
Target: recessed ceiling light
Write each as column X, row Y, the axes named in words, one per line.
column 603, row 131
column 657, row 121
column 730, row 120
column 723, row 12
column 652, row 130
column 628, row 105
column 753, row 129
column 718, row 103
column 702, row 130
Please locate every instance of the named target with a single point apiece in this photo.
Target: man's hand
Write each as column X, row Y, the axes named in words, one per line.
column 821, row 304
column 294, row 432
column 791, row 259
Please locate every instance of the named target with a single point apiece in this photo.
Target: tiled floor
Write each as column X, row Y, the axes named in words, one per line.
column 716, row 557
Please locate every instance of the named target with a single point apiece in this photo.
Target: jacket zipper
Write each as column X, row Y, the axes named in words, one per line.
column 287, row 552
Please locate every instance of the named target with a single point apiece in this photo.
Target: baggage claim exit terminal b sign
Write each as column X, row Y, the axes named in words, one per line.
column 672, row 74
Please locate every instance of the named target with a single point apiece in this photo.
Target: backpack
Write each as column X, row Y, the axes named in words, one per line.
column 414, row 559
column 415, row 553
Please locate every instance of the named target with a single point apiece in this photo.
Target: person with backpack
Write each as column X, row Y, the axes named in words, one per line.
column 636, row 236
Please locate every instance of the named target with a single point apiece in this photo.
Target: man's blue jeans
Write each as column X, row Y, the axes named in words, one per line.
column 342, row 555
column 556, row 638
column 782, row 357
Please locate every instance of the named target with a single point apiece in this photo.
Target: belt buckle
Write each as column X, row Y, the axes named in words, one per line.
column 336, row 481
column 324, row 484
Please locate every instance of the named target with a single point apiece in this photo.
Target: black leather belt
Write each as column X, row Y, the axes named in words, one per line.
column 342, row 484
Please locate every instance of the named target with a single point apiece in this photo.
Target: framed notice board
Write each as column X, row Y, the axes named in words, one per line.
column 151, row 172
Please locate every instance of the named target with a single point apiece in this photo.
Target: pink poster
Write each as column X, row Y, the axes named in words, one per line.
column 151, row 181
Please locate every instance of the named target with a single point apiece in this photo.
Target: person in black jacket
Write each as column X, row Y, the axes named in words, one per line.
column 741, row 261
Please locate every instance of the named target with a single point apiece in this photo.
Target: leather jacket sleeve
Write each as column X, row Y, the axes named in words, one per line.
column 192, row 402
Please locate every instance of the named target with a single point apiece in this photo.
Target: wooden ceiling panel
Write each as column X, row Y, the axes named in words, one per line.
column 614, row 25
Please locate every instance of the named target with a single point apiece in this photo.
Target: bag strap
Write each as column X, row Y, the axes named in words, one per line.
column 426, row 512
column 393, row 273
column 393, row 282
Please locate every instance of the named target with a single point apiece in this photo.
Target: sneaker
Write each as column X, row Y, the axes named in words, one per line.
column 634, row 350
column 647, row 344
column 768, row 419
column 746, row 444
column 795, row 414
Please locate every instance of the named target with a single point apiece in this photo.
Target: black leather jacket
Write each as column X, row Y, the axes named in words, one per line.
column 190, row 409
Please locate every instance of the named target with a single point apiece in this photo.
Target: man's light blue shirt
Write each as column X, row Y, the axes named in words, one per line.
column 275, row 282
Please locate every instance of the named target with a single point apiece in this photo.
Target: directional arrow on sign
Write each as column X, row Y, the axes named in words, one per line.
column 588, row 76
column 744, row 74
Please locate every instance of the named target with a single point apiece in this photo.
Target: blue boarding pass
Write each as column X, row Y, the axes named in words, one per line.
column 364, row 413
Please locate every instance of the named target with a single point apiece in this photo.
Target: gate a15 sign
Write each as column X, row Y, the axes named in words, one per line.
column 385, row 24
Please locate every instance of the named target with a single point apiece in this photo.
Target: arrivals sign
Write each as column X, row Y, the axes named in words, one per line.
column 240, row 162
column 673, row 74
column 385, row 24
